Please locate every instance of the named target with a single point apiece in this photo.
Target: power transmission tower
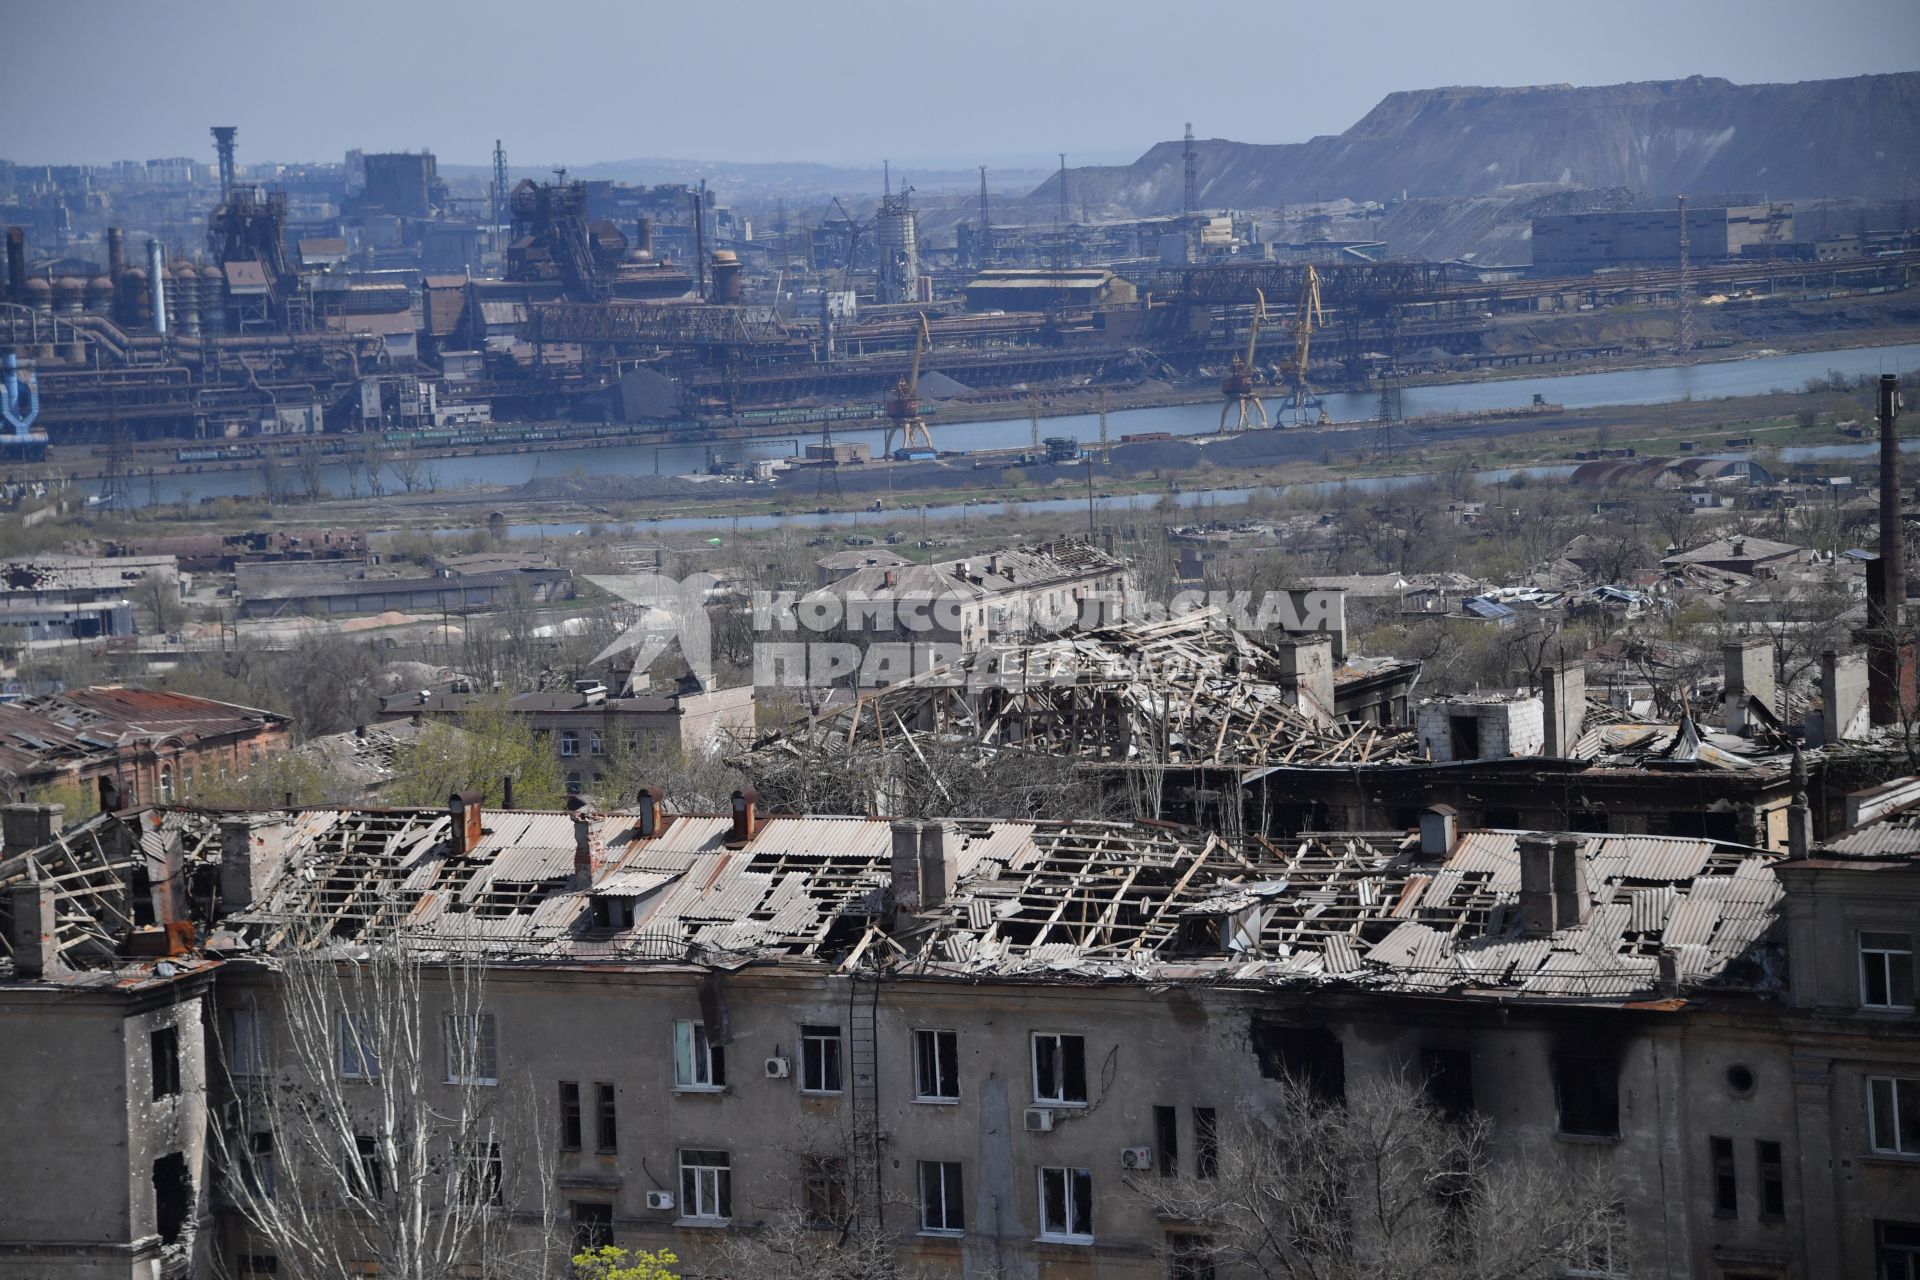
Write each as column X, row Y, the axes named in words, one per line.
column 828, row 475
column 1033, row 417
column 499, row 212
column 1190, row 165
column 1683, row 342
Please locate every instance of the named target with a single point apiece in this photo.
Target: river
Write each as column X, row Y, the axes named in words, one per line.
column 1708, row 380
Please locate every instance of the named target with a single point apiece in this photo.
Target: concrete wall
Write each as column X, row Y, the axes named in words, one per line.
column 1508, row 728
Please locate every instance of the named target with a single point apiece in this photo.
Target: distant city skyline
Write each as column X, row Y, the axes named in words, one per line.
column 846, row 83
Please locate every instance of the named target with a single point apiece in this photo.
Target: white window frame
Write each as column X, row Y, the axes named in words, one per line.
column 950, row 1206
column 706, row 1189
column 818, row 1051
column 694, row 1059
column 473, row 1039
column 596, row 743
column 485, row 1158
column 927, row 1054
column 1892, row 961
column 1893, row 1087
column 358, row 1051
column 1056, row 1098
column 249, row 1031
column 569, row 743
column 1070, row 1200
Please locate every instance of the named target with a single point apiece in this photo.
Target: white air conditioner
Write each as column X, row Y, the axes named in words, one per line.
column 1039, row 1120
column 1136, row 1157
column 659, row 1199
column 779, row 1068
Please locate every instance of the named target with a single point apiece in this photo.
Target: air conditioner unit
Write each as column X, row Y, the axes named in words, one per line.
column 1039, row 1120
column 1136, row 1157
column 779, row 1068
column 659, row 1199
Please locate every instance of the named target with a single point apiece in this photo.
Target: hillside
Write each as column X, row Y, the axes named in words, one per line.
column 1855, row 137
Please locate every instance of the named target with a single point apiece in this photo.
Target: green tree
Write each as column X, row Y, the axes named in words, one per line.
column 496, row 744
column 610, row 1262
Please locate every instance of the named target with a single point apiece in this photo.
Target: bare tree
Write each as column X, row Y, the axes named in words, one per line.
column 373, row 1125
column 310, row 466
column 407, row 464
column 1382, row 1184
column 159, row 595
column 828, row 1225
column 373, row 457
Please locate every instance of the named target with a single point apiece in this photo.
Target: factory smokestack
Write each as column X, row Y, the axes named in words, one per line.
column 157, row 280
column 116, row 253
column 1890, row 670
column 17, row 262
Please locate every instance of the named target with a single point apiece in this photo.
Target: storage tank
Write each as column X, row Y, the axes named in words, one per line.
column 133, row 296
column 99, row 295
column 69, row 294
column 897, row 243
column 184, row 287
column 39, row 295
column 213, row 306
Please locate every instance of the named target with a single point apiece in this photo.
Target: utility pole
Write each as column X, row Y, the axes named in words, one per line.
column 1683, row 343
column 1106, row 451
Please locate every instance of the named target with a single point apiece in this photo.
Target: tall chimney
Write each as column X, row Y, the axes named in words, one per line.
column 116, row 253
column 1892, row 580
column 584, row 859
column 464, row 812
column 643, row 236
column 157, row 283
column 34, row 932
column 745, row 821
column 17, row 262
column 652, row 814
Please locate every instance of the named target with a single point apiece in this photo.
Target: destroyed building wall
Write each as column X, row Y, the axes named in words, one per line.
column 1480, row 730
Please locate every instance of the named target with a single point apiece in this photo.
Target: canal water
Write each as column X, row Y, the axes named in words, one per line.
column 1704, row 381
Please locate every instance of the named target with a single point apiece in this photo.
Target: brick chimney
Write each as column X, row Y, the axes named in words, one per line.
column 939, row 869
column 30, row 826
column 464, row 808
column 587, row 859
column 1570, row 899
column 905, row 864
column 1536, row 885
column 253, row 848
column 32, row 932
column 745, row 819
column 652, row 815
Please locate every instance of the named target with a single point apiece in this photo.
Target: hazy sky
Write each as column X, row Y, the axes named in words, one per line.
column 842, row 81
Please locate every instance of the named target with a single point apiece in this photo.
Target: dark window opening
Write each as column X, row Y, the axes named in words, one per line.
column 1773, row 1181
column 164, row 1045
column 1059, row 1068
column 1206, row 1143
column 1726, row 1180
column 1588, row 820
column 1465, row 734
column 569, row 1115
column 1500, row 819
column 1587, row 1090
column 1190, row 1257
column 607, row 1119
column 820, row 1059
column 1309, row 1056
column 592, row 1225
column 172, row 1196
column 1449, row 1080
column 259, row 1264
column 370, row 1174
column 824, row 1192
column 1701, row 825
column 1896, row 1250
column 1166, row 1141
column 942, row 1201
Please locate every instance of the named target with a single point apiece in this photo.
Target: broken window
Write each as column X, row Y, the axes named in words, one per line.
column 1449, row 1080
column 1308, row 1056
column 478, row 1174
column 1166, row 1141
column 1059, row 1069
column 1773, row 1181
column 369, row 1171
column 698, row 1063
column 569, row 743
column 172, row 1196
column 606, row 1119
column 706, row 1185
column 247, row 1048
column 1896, row 1250
column 1190, row 1257
column 820, row 1059
column 473, row 1046
column 1726, row 1178
column 1206, row 1143
column 942, row 1205
column 823, row 1192
column 569, row 1115
column 1893, row 1115
column 1886, row 971
column 936, row 1066
column 359, row 1048
column 163, row 1043
column 592, row 1225
column 1587, row 1091
column 258, row 1170
column 1066, row 1204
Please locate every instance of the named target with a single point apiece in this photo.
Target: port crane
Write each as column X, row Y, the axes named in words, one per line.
column 1301, row 398
column 903, row 402
column 1237, row 385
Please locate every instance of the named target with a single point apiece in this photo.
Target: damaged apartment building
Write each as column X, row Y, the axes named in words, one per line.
column 1007, row 1028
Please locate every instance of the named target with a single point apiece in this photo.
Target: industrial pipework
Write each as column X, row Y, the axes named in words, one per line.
column 157, row 280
